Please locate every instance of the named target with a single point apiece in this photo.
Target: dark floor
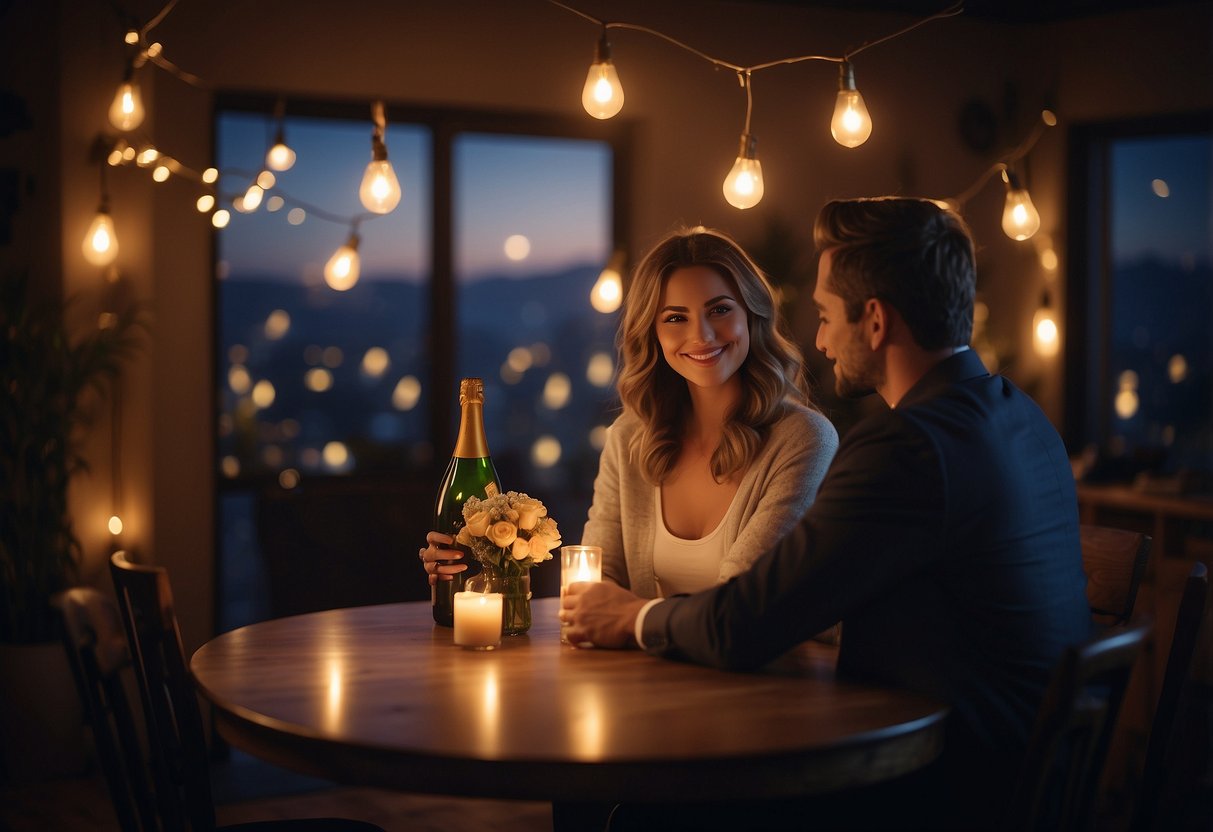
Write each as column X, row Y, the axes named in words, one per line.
column 246, row 789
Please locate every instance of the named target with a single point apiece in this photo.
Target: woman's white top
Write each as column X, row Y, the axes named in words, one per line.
column 686, row 565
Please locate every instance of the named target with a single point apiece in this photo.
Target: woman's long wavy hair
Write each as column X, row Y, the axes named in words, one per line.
column 772, row 374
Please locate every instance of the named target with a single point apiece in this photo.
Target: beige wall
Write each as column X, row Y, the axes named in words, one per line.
column 535, row 55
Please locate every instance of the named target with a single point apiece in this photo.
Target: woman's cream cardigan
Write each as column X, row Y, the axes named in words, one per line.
column 775, row 492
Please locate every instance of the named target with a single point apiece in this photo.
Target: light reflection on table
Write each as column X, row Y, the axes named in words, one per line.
column 380, row 696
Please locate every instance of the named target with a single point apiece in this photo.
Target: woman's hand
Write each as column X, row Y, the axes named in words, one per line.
column 433, row 553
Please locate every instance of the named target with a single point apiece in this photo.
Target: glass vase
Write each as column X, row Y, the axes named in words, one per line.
column 515, row 603
column 515, row 589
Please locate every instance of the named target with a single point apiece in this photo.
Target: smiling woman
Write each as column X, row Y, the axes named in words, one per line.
column 718, row 451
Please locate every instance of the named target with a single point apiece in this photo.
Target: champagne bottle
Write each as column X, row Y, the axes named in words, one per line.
column 469, row 474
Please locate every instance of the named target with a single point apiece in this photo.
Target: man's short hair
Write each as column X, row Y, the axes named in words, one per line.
column 909, row 253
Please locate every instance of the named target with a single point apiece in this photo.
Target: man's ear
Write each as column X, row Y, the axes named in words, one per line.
column 876, row 321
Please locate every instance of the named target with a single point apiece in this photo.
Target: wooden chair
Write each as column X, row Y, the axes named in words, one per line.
column 175, row 731
column 1057, row 782
column 1160, row 751
column 1114, row 560
column 97, row 653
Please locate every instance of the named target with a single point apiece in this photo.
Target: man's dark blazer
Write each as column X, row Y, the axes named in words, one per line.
column 945, row 538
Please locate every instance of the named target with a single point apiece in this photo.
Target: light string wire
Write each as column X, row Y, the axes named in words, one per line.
column 153, row 53
column 1047, row 119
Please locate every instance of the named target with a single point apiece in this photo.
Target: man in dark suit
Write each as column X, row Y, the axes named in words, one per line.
column 945, row 534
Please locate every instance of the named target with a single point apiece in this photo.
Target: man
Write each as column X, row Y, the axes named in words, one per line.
column 944, row 536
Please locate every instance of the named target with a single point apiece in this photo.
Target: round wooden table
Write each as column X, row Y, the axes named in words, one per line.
column 379, row 696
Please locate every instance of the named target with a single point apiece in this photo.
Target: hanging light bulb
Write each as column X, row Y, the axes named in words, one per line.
column 1020, row 219
column 380, row 190
column 341, row 271
column 851, row 124
column 280, row 157
column 602, row 95
column 607, row 294
column 101, row 243
column 126, row 111
column 743, row 186
column 252, row 197
column 1046, row 338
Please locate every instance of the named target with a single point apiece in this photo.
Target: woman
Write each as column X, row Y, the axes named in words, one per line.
column 718, row 451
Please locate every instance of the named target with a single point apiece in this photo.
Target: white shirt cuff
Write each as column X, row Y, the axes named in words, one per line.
column 639, row 627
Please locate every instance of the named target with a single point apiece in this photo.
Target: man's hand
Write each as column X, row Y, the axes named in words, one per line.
column 601, row 614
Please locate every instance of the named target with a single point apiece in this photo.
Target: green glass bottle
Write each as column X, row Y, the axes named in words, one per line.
column 469, row 474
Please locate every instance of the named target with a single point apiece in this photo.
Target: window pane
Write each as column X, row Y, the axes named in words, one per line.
column 532, row 234
column 314, row 379
column 1161, row 345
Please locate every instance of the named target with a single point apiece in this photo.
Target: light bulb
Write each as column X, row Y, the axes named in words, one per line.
column 607, row 294
column 602, row 95
column 252, row 197
column 126, row 113
column 101, row 243
column 380, row 190
column 280, row 157
column 851, row 124
column 1019, row 217
column 1046, row 339
column 341, row 271
column 743, row 186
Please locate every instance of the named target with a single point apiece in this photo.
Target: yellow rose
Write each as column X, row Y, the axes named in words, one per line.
column 502, row 533
column 464, row 537
column 529, row 511
column 521, row 550
column 478, row 524
column 542, row 545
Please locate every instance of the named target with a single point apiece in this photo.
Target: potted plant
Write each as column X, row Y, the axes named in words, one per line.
column 50, row 386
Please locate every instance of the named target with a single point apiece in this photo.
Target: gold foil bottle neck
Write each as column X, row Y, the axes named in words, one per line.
column 471, row 443
column 471, row 391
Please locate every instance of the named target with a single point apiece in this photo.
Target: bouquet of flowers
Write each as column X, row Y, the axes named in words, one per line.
column 508, row 532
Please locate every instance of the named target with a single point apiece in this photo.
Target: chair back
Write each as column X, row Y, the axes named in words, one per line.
column 1114, row 560
column 1179, row 661
column 176, row 736
column 97, row 653
column 1069, row 740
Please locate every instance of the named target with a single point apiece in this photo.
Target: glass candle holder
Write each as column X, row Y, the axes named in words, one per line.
column 578, row 563
column 478, row 620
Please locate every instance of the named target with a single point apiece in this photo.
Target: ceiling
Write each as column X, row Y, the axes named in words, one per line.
column 1004, row 11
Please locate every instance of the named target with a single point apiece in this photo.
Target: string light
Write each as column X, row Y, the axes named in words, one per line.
column 380, row 190
column 607, row 294
column 126, row 112
column 1046, row 338
column 341, row 271
column 851, row 124
column 1020, row 220
column 280, row 157
column 743, row 186
column 602, row 96
column 100, row 244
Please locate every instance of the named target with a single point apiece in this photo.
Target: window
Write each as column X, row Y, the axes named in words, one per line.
column 1141, row 297
column 337, row 409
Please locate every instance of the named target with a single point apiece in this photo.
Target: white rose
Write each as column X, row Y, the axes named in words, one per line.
column 521, row 550
column 502, row 533
column 529, row 511
column 478, row 524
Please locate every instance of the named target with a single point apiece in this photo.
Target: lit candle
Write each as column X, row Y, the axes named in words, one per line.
column 578, row 563
column 478, row 619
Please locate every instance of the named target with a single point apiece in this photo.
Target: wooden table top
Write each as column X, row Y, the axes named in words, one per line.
column 379, row 696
